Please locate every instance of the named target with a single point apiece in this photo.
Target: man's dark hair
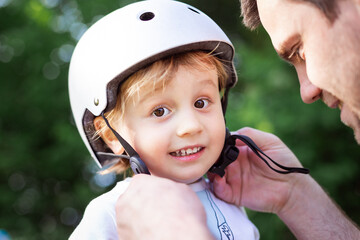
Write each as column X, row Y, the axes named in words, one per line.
column 250, row 13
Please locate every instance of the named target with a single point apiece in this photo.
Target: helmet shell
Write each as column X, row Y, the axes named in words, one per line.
column 125, row 41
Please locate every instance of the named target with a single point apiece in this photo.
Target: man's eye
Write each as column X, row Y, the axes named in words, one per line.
column 201, row 103
column 160, row 112
column 298, row 54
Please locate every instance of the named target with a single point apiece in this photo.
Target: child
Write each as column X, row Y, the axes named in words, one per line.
column 151, row 79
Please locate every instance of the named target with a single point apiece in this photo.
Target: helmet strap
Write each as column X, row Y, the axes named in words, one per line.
column 224, row 100
column 136, row 164
column 230, row 153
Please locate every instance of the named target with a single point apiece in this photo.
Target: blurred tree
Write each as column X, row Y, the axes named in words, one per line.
column 46, row 175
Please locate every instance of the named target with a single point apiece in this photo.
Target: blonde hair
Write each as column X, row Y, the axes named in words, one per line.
column 153, row 77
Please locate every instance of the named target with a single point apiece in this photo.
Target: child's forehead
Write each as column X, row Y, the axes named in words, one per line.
column 160, row 82
column 156, row 77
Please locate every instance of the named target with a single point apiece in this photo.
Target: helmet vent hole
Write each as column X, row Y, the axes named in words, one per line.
column 193, row 10
column 146, row 16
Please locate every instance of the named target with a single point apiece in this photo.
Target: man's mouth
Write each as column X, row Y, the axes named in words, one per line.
column 340, row 105
column 335, row 104
column 330, row 100
column 186, row 152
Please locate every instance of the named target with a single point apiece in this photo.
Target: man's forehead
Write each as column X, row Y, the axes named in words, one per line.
column 279, row 20
column 271, row 16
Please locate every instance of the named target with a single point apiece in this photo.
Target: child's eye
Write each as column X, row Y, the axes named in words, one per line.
column 201, row 103
column 160, row 112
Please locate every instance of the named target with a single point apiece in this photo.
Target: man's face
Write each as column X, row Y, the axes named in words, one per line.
column 325, row 55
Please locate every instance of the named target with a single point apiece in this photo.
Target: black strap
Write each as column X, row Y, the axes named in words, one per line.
column 231, row 152
column 128, row 149
column 136, row 164
column 113, row 159
column 248, row 141
column 113, row 155
column 224, row 100
column 228, row 155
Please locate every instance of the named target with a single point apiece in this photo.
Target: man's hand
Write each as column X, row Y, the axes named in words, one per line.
column 296, row 198
column 158, row 208
column 250, row 182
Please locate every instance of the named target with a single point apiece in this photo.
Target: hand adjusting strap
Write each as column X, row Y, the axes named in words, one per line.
column 230, row 153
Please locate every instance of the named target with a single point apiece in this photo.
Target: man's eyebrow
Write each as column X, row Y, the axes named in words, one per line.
column 284, row 54
column 286, row 49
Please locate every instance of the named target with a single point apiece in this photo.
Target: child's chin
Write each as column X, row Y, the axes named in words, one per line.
column 189, row 179
column 183, row 178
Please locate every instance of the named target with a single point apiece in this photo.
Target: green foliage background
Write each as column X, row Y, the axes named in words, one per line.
column 46, row 175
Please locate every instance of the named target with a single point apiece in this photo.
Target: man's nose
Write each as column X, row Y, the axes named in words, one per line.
column 308, row 91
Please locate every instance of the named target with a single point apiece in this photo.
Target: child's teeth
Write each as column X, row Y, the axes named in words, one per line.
column 189, row 151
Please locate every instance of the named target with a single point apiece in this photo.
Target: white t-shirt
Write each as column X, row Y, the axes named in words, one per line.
column 225, row 221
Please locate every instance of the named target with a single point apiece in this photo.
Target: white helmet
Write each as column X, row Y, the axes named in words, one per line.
column 125, row 41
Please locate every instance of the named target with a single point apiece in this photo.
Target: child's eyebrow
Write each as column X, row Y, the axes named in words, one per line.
column 204, row 83
column 208, row 82
column 150, row 92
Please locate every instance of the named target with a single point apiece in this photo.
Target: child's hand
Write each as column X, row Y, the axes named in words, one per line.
column 249, row 182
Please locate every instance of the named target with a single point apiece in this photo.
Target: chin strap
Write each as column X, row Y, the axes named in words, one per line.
column 230, row 153
column 136, row 164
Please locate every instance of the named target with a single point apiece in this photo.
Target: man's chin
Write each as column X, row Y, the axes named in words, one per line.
column 350, row 119
column 356, row 130
column 357, row 136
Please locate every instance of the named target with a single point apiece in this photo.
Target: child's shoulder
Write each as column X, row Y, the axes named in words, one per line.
column 110, row 197
column 101, row 211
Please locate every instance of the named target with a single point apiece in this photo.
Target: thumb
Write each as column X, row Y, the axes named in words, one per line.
column 259, row 137
column 211, row 176
column 219, row 184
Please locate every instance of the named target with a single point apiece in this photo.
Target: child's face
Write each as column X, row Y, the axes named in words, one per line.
column 178, row 132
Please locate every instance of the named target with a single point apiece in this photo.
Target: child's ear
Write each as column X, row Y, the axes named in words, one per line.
column 107, row 136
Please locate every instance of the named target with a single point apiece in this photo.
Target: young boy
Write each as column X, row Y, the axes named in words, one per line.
column 151, row 79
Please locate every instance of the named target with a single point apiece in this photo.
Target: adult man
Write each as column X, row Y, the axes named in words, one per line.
column 321, row 38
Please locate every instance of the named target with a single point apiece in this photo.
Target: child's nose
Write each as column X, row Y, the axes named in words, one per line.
column 189, row 124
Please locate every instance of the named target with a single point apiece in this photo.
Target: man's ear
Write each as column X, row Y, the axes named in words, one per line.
column 108, row 136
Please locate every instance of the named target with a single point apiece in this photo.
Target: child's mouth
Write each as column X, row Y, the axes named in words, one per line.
column 186, row 152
